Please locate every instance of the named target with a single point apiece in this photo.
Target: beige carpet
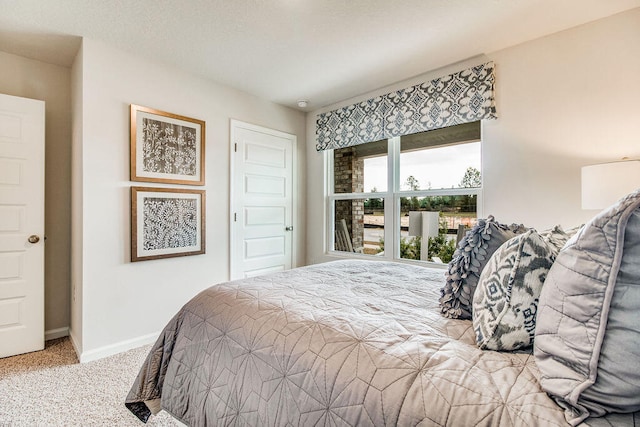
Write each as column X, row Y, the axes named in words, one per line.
column 50, row 388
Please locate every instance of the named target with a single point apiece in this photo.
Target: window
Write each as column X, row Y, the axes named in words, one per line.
column 406, row 197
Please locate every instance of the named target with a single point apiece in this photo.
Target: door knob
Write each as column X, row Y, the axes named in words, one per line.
column 34, row 239
column 289, row 228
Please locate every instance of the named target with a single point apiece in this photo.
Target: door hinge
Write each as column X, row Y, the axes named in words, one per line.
column 235, row 147
column 235, row 217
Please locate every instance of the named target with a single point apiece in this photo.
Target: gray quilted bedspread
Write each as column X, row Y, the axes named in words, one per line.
column 343, row 343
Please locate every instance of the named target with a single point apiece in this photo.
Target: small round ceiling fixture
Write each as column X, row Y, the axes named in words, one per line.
column 303, row 103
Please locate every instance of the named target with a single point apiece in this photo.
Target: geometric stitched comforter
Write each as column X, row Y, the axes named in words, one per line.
column 342, row 343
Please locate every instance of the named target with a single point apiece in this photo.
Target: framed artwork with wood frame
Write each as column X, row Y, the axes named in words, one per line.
column 166, row 222
column 166, row 147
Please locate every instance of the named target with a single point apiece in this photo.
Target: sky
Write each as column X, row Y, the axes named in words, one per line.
column 439, row 167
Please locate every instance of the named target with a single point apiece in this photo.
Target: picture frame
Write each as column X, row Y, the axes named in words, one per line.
column 166, row 148
column 167, row 222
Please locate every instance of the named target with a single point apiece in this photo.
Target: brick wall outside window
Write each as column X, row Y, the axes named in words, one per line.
column 349, row 178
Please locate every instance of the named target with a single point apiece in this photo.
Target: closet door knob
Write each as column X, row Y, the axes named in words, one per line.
column 34, row 239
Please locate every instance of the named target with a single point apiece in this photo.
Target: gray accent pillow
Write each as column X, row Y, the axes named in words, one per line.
column 587, row 340
column 613, row 420
column 556, row 237
column 506, row 300
column 572, row 231
column 472, row 254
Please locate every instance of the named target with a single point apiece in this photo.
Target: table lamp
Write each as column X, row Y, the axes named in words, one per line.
column 604, row 184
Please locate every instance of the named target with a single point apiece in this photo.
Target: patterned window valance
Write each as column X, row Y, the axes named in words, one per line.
column 463, row 97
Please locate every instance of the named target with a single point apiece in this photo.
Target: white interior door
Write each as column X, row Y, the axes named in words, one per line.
column 21, row 225
column 262, row 219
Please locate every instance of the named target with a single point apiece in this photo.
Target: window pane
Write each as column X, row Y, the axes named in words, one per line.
column 449, row 214
column 362, row 168
column 359, row 226
column 374, row 226
column 442, row 159
column 425, row 166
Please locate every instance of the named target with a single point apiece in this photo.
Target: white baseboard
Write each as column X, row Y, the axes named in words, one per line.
column 52, row 334
column 109, row 350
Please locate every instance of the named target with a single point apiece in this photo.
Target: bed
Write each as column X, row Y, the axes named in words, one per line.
column 348, row 342
column 375, row 343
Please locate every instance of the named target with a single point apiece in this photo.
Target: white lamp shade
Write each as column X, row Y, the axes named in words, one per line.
column 604, row 184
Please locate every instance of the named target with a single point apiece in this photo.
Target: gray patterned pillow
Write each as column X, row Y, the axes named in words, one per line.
column 506, row 300
column 472, row 254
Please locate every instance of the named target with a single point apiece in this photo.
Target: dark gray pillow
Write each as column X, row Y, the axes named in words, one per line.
column 472, row 254
column 588, row 325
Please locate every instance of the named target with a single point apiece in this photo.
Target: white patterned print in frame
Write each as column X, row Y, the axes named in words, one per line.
column 166, row 147
column 166, row 222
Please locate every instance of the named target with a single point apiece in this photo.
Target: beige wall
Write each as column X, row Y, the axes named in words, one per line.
column 564, row 101
column 123, row 304
column 50, row 83
column 76, row 200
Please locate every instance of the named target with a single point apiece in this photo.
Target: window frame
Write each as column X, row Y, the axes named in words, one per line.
column 391, row 198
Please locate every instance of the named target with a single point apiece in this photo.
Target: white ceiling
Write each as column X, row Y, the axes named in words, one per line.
column 285, row 50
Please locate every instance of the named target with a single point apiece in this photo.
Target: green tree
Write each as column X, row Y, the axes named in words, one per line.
column 409, row 248
column 471, row 179
column 373, row 203
column 412, row 183
column 413, row 203
column 441, row 247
